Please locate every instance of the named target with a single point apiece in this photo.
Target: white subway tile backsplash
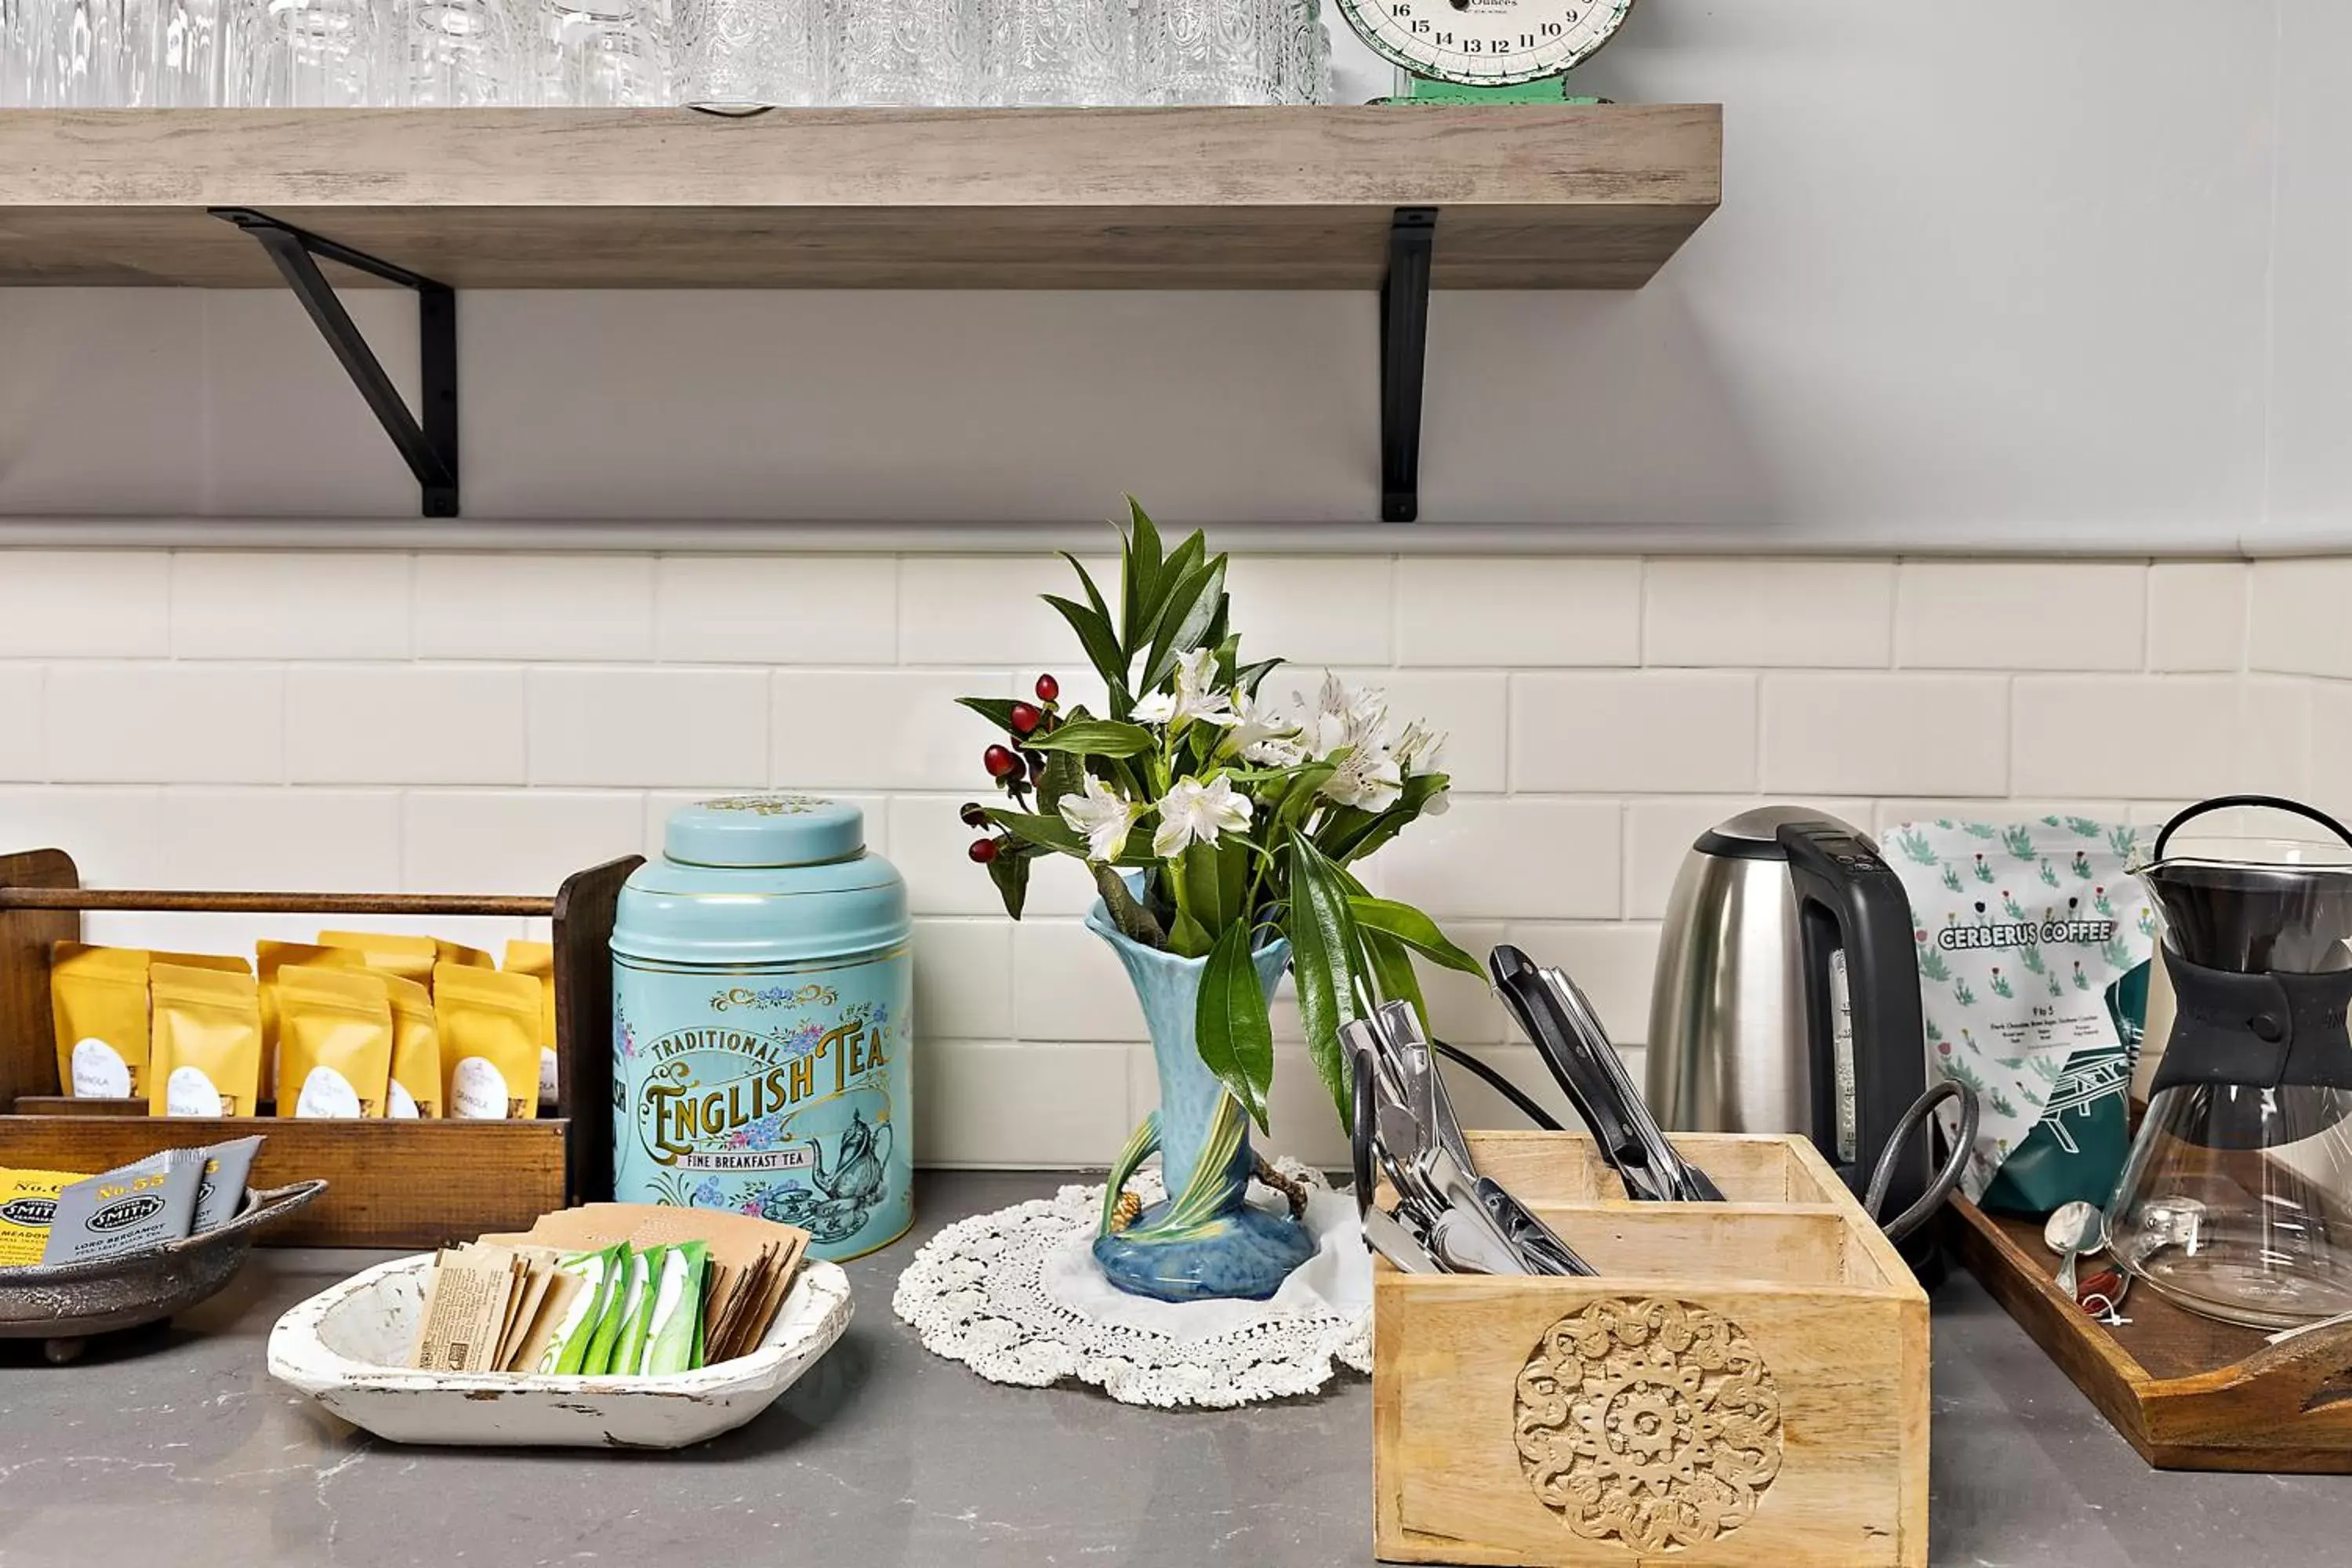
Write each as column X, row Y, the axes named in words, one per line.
column 881, row 729
column 2301, row 619
column 164, row 723
column 954, row 608
column 706, row 728
column 933, row 853
column 992, row 1104
column 512, row 841
column 1884, row 734
column 2331, row 748
column 2196, row 615
column 1611, row 963
column 1300, row 1110
column 20, row 721
column 535, row 606
column 1068, row 984
column 1515, row 859
column 290, row 604
column 114, row 835
column 85, row 604
column 307, row 840
column 2157, row 736
column 1647, row 730
column 1762, row 614
column 1523, row 611
column 1997, row 615
column 775, row 609
column 963, row 979
column 405, row 723
column 1318, row 610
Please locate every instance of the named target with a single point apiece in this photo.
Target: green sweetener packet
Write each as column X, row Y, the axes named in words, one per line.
column 575, row 1335
column 644, row 1279
column 675, row 1335
column 629, row 1281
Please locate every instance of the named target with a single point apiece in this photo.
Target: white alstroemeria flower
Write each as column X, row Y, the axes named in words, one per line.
column 1367, row 778
column 1356, row 722
column 1194, row 697
column 1102, row 816
column 1192, row 811
column 1263, row 736
column 1421, row 752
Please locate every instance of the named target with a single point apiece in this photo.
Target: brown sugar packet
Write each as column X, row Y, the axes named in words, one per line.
column 465, row 1310
column 562, row 1284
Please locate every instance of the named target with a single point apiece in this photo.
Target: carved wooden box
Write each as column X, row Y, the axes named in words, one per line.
column 1744, row 1382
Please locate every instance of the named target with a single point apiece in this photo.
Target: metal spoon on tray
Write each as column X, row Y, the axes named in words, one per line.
column 2073, row 1231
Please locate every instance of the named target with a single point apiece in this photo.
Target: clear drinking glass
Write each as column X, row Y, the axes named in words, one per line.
column 602, row 54
column 743, row 53
column 309, row 54
column 185, row 40
column 83, row 55
column 910, row 53
column 462, row 54
column 1211, row 51
column 16, row 56
column 1054, row 52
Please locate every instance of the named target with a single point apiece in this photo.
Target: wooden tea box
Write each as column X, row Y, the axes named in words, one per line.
column 1744, row 1382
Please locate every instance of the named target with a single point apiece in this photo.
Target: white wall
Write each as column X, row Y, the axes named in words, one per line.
column 2009, row 274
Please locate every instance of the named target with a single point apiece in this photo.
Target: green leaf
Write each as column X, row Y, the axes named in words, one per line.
column 1102, row 613
column 1096, row 638
column 1192, row 605
column 1139, row 568
column 1187, row 937
column 1044, row 832
column 1064, row 774
column 1351, row 835
column 997, row 711
column 1230, row 1023
column 1324, row 947
column 1095, row 738
column 1415, row 930
column 1010, row 872
column 1391, row 963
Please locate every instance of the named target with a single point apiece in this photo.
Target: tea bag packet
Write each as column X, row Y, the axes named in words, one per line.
column 268, row 958
column 600, row 1273
column 489, row 1042
column 98, row 1005
column 135, row 1208
column 415, row 1091
column 629, row 1288
column 629, row 1350
column 410, row 957
column 2022, row 931
column 221, row 1193
column 28, row 1201
column 674, row 1336
column 335, row 1034
column 537, row 959
column 205, row 1042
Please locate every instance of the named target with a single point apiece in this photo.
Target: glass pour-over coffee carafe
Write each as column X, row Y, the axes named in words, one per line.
column 2237, row 1200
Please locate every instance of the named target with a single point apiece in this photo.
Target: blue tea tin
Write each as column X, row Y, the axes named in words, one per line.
column 762, row 1023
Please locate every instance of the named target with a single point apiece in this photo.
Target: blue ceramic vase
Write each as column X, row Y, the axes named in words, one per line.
column 1202, row 1242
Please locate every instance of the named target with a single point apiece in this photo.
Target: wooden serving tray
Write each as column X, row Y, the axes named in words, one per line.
column 2188, row 1393
column 1743, row 1383
column 389, row 1184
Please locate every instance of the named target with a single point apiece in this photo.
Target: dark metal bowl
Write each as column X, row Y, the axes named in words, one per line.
column 65, row 1303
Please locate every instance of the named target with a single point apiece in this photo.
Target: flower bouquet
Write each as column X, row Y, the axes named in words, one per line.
column 1218, row 829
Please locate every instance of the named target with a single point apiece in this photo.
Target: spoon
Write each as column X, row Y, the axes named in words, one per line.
column 2072, row 1230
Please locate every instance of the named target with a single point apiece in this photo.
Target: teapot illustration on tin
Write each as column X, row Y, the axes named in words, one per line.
column 835, row 1204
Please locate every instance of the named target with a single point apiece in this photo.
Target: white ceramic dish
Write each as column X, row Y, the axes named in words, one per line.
column 343, row 1347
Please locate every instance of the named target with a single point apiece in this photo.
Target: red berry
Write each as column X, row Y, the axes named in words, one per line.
column 973, row 814
column 1000, row 762
column 1025, row 718
column 983, row 850
column 1048, row 689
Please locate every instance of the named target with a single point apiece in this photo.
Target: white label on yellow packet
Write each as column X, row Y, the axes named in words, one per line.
column 398, row 1103
column 188, row 1092
column 547, row 1075
column 327, row 1093
column 477, row 1091
column 99, row 1071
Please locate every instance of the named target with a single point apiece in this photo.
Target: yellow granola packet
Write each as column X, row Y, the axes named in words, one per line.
column 334, row 1041
column 538, row 958
column 205, row 1042
column 268, row 958
column 410, row 957
column 458, row 952
column 415, row 1087
column 489, row 1042
column 28, row 1201
column 97, row 1006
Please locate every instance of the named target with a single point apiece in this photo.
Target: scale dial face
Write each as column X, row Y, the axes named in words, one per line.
column 1486, row 43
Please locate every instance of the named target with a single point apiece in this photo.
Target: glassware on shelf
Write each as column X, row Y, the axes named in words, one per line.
column 602, row 54
column 908, row 53
column 311, row 54
column 1057, row 52
column 16, row 55
column 1213, row 51
column 187, row 48
column 747, row 54
column 81, row 55
column 460, row 54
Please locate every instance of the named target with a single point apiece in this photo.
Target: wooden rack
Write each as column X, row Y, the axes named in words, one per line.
column 391, row 1184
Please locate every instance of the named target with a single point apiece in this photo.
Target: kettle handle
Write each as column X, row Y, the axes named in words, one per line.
column 2226, row 801
column 1849, row 899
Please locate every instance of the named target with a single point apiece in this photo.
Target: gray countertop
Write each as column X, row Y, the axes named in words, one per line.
column 186, row 1455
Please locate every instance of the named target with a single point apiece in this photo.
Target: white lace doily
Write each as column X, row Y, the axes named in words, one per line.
column 1016, row 1296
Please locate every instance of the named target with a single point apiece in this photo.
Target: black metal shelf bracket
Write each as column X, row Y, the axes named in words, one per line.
column 1404, row 344
column 428, row 443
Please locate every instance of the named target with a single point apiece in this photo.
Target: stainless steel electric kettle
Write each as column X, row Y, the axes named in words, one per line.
column 1787, row 996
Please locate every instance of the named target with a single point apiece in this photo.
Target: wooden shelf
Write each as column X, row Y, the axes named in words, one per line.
column 1532, row 196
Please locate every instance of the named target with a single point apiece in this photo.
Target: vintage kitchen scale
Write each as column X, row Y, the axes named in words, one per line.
column 1485, row 51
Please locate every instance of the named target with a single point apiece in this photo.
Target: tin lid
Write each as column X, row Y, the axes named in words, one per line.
column 764, row 830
